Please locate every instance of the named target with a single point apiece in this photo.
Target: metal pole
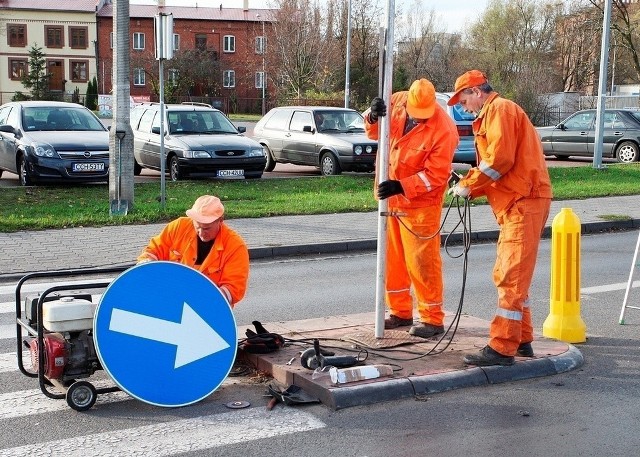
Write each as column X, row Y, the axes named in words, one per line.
column 264, row 71
column 383, row 172
column 613, row 66
column 162, row 152
column 602, row 86
column 348, row 59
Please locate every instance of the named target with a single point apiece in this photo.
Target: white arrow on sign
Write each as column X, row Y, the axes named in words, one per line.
column 192, row 336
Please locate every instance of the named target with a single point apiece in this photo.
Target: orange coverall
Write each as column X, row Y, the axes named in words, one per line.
column 226, row 265
column 421, row 161
column 512, row 173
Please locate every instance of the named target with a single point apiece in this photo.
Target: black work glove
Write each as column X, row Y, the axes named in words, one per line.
column 378, row 109
column 389, row 188
column 262, row 342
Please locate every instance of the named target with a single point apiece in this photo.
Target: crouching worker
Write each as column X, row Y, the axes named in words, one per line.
column 203, row 242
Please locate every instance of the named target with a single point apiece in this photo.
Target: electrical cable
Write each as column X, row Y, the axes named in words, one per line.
column 464, row 215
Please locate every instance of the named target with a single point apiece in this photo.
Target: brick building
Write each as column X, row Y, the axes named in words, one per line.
column 77, row 39
column 232, row 39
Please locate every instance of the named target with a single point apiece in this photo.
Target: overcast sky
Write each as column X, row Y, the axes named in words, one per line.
column 454, row 13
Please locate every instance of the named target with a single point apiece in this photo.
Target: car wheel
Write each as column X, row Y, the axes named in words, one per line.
column 23, row 172
column 627, row 152
column 271, row 162
column 174, row 169
column 137, row 168
column 329, row 165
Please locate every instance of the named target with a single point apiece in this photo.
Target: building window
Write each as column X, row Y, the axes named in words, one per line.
column 201, row 42
column 259, row 79
column 229, row 78
column 138, row 77
column 78, row 37
column 229, row 43
column 176, row 42
column 17, row 69
column 261, row 44
column 138, row 41
column 54, row 36
column 17, row 35
column 79, row 70
column 111, row 40
column 172, row 76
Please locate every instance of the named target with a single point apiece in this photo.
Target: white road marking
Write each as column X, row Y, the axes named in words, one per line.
column 608, row 288
column 7, row 331
column 31, row 286
column 182, row 436
column 9, row 361
column 33, row 401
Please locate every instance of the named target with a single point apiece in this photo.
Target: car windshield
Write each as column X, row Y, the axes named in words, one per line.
column 199, row 123
column 460, row 114
column 339, row 121
column 38, row 118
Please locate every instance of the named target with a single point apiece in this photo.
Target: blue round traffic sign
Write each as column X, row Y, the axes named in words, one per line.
column 165, row 334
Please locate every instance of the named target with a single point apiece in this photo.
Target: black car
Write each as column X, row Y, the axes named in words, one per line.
column 332, row 139
column 199, row 141
column 53, row 141
column 575, row 136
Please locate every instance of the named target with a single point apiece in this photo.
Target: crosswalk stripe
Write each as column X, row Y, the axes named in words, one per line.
column 33, row 401
column 187, row 435
column 9, row 361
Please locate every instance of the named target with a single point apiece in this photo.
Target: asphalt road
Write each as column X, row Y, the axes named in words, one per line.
column 591, row 411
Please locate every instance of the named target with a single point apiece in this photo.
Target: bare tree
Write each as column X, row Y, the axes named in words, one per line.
column 625, row 25
column 513, row 42
column 298, row 43
column 425, row 49
column 578, row 47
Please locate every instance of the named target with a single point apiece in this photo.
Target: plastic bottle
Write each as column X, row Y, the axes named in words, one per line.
column 344, row 375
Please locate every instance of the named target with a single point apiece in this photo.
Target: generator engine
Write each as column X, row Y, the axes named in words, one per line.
column 69, row 352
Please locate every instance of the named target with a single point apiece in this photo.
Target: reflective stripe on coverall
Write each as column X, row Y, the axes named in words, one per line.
column 512, row 173
column 227, row 264
column 421, row 161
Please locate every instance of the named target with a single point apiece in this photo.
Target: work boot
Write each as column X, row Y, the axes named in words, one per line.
column 525, row 350
column 424, row 330
column 486, row 357
column 394, row 322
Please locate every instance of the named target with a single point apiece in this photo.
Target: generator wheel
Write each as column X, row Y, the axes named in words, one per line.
column 81, row 395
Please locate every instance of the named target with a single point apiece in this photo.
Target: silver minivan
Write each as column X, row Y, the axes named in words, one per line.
column 199, row 141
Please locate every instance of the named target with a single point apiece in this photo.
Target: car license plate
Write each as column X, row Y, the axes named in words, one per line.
column 230, row 173
column 87, row 166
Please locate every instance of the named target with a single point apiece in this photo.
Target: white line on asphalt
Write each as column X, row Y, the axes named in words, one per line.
column 30, row 287
column 33, row 401
column 607, row 288
column 7, row 331
column 9, row 361
column 182, row 436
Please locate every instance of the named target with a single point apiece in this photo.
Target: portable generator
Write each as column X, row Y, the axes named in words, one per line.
column 56, row 326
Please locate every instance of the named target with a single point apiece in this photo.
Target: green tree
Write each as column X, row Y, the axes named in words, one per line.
column 37, row 79
column 91, row 100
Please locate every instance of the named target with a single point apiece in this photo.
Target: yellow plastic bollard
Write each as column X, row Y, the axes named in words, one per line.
column 564, row 322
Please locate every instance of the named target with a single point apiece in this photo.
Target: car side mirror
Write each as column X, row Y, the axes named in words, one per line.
column 242, row 129
column 6, row 128
column 307, row 128
column 156, row 130
column 561, row 126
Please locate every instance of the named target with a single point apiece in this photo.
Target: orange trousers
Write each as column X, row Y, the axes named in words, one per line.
column 413, row 260
column 521, row 227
